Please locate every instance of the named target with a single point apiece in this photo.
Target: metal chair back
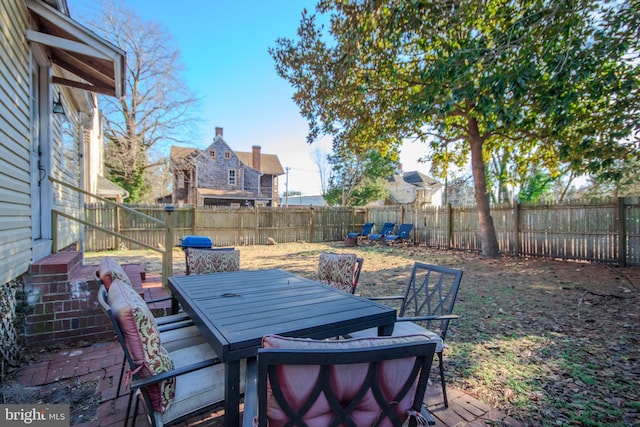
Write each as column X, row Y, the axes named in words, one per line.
column 415, row 357
column 432, row 291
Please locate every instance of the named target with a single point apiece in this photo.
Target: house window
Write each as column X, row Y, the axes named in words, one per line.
column 232, row 176
column 227, row 155
column 70, row 161
column 212, row 154
column 181, row 181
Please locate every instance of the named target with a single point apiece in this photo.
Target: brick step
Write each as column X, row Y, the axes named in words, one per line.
column 58, row 263
column 137, row 275
column 153, row 290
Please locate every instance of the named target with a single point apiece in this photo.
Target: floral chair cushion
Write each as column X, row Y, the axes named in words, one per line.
column 297, row 381
column 142, row 338
column 337, row 270
column 204, row 261
column 109, row 270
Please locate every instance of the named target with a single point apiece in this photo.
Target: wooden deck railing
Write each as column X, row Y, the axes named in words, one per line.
column 166, row 226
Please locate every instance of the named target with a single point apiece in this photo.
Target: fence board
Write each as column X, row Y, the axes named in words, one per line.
column 578, row 231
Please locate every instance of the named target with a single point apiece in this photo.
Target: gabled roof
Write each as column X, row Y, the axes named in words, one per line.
column 96, row 64
column 418, row 179
column 269, row 163
column 106, row 188
column 181, row 152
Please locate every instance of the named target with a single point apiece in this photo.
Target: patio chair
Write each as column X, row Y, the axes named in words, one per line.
column 403, row 233
column 176, row 331
column 171, row 385
column 341, row 271
column 377, row 381
column 215, row 260
column 366, row 230
column 109, row 270
column 425, row 308
column 387, row 229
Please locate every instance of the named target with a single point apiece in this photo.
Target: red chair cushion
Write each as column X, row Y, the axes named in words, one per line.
column 298, row 381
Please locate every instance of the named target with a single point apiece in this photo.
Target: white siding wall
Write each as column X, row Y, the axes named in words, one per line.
column 67, row 138
column 61, row 160
column 15, row 196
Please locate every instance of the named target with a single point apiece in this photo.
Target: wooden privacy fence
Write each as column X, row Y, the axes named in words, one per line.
column 605, row 231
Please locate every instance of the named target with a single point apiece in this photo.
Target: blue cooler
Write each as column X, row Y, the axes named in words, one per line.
column 202, row 242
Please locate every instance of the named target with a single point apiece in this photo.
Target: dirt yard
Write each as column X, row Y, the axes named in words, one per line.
column 548, row 342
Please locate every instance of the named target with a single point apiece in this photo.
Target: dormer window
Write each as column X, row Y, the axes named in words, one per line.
column 212, row 154
column 227, row 155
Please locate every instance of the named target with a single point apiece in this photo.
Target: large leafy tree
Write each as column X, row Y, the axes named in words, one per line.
column 357, row 179
column 157, row 109
column 545, row 82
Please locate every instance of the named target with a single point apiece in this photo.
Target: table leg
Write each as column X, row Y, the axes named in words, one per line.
column 385, row 330
column 232, row 394
column 175, row 306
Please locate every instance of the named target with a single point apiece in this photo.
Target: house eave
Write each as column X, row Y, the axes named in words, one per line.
column 95, row 64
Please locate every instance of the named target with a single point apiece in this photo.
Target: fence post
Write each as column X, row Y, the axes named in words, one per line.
column 167, row 265
column 256, row 227
column 116, row 227
column 622, row 233
column 449, row 225
column 516, row 228
column 193, row 223
column 311, row 225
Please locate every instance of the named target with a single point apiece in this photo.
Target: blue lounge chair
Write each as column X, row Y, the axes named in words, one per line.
column 403, row 234
column 387, row 229
column 366, row 230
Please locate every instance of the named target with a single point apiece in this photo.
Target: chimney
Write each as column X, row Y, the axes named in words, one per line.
column 218, row 131
column 255, row 158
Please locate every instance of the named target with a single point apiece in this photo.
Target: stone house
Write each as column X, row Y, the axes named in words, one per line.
column 220, row 176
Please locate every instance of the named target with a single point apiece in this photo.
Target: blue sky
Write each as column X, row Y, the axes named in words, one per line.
column 224, row 51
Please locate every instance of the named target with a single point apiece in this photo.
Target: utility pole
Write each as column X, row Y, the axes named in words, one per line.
column 286, row 187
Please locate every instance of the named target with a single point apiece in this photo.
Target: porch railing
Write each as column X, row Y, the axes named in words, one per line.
column 167, row 226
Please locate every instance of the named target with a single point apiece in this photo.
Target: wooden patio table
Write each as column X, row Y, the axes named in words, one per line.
column 234, row 310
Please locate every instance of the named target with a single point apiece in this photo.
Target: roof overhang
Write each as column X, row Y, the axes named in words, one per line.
column 106, row 188
column 227, row 194
column 98, row 64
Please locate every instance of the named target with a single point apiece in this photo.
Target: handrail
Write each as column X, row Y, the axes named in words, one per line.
column 110, row 202
column 105, row 230
column 167, row 263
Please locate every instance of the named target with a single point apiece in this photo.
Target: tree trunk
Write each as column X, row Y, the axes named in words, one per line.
column 488, row 239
